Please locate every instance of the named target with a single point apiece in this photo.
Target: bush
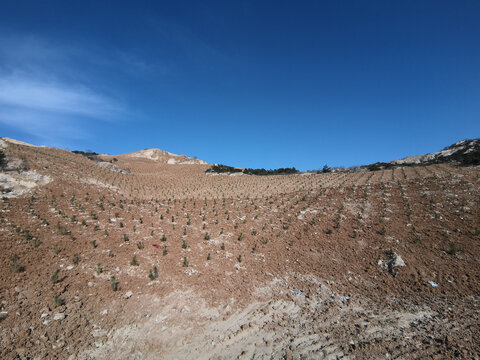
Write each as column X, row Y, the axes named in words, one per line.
column 134, row 261
column 153, row 275
column 229, row 169
column 3, row 160
column 14, row 266
column 452, row 250
column 471, row 158
column 58, row 300
column 54, row 277
column 114, row 283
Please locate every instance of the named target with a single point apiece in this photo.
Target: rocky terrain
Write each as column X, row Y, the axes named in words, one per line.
column 155, row 259
column 454, row 152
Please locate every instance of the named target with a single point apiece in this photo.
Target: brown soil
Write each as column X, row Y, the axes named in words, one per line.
column 278, row 266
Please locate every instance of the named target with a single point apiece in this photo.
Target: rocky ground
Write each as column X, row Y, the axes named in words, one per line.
column 164, row 261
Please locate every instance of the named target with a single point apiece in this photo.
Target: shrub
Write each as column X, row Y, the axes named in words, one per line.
column 471, row 158
column 3, row 160
column 207, row 237
column 54, row 277
column 153, row 275
column 58, row 300
column 98, row 269
column 140, row 245
column 184, row 245
column 452, row 250
column 15, row 266
column 134, row 261
column 76, row 259
column 114, row 283
column 185, row 262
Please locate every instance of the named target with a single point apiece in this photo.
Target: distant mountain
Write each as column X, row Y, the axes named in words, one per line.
column 454, row 152
column 164, row 157
column 465, row 151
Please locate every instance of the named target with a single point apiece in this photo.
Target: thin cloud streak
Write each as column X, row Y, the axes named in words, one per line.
column 50, row 91
column 58, row 98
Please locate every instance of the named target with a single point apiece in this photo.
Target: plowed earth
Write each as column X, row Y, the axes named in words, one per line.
column 248, row 267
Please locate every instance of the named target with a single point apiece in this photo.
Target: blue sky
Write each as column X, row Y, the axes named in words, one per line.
column 244, row 83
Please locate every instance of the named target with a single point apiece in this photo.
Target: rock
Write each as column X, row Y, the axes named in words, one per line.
column 58, row 316
column 104, row 312
column 129, row 294
column 44, row 315
column 394, row 260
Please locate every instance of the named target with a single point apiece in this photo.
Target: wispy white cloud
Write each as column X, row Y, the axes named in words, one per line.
column 47, row 93
column 30, row 94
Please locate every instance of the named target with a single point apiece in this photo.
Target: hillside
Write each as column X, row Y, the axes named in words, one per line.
column 454, row 152
column 161, row 156
column 149, row 260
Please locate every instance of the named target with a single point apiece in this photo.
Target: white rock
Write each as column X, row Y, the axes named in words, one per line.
column 58, row 316
column 129, row 294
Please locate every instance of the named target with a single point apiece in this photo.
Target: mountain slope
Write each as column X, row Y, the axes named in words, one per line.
column 165, row 262
column 164, row 157
column 454, row 152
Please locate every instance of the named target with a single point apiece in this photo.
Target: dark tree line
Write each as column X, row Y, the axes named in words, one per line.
column 229, row 169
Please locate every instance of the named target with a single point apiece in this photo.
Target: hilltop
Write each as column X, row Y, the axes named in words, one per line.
column 134, row 257
column 162, row 156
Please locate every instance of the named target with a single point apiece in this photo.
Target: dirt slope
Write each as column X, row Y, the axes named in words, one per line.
column 297, row 266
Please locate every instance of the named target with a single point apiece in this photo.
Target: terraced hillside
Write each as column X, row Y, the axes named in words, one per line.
column 140, row 259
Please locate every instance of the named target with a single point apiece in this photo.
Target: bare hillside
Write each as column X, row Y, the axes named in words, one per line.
column 163, row 261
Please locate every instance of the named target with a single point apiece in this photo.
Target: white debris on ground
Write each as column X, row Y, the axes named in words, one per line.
column 14, row 184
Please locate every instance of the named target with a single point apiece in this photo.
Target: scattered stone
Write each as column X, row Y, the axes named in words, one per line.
column 58, row 316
